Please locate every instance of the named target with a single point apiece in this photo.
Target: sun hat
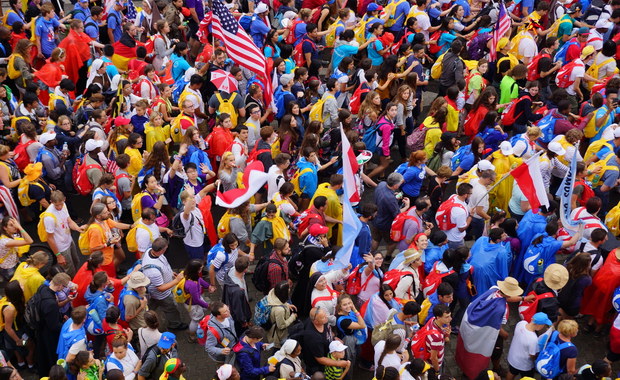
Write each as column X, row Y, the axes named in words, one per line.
column 411, row 255
column 137, row 279
column 261, row 8
column 33, row 171
column 510, row 287
column 556, row 276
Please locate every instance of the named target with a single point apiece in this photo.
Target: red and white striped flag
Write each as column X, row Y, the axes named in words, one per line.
column 239, row 46
column 254, row 177
column 502, row 26
column 529, row 178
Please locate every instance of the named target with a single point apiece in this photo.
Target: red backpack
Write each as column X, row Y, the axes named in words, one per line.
column 435, row 48
column 356, row 99
column 418, row 343
column 444, row 213
column 254, row 153
column 298, row 52
column 150, row 43
column 304, row 220
column 204, row 326
column 290, row 38
column 532, row 68
column 393, row 277
column 80, row 178
column 508, row 116
column 396, row 232
column 587, row 191
column 528, row 309
column 433, row 279
column 21, row 157
column 119, row 196
column 562, row 80
column 354, row 281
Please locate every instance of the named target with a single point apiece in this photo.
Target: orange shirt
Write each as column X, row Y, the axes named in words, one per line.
column 99, row 234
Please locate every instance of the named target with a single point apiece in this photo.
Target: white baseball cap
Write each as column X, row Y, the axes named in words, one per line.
column 93, row 144
column 47, row 137
column 336, row 346
column 616, row 130
column 506, row 148
column 485, row 165
column 556, row 148
column 261, row 8
column 603, row 24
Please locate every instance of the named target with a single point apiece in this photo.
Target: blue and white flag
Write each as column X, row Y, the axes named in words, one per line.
column 565, row 192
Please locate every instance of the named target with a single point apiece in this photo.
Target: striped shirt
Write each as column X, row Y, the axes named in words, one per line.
column 333, row 373
column 156, row 276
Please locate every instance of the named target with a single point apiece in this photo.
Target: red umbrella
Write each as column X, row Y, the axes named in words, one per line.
column 224, row 81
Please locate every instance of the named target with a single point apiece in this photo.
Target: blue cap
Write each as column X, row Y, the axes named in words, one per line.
column 166, row 340
column 372, row 7
column 541, row 319
column 583, row 30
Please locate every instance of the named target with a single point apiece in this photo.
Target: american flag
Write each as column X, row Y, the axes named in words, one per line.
column 502, row 26
column 112, row 166
column 239, row 45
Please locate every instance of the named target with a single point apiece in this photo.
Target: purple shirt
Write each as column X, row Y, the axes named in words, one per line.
column 197, row 5
column 148, row 200
column 194, row 288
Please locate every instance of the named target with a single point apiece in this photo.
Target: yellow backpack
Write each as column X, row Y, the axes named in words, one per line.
column 6, row 17
column 180, row 294
column 596, row 146
column 275, row 148
column 132, row 242
column 41, row 226
column 295, row 180
column 136, row 206
column 590, row 130
column 414, row 12
column 279, row 228
column 360, row 31
column 565, row 144
column 83, row 243
column 3, row 303
column 555, row 28
column 223, row 227
column 437, row 67
column 612, row 220
column 316, row 112
column 516, row 41
column 424, row 309
column 10, row 67
column 330, row 38
column 52, row 102
column 22, row 192
column 176, row 132
column 595, row 179
column 594, row 69
column 227, row 106
column 390, row 9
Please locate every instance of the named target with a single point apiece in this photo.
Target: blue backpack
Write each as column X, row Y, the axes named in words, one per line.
column 561, row 54
column 213, row 253
column 279, row 99
column 360, row 334
column 246, row 22
column 548, row 361
column 371, row 136
column 459, row 155
column 547, row 127
column 515, row 139
column 121, row 297
column 533, row 262
column 93, row 323
column 43, row 152
column 177, row 90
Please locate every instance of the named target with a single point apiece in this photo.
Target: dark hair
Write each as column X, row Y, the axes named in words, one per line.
column 14, row 293
column 192, row 270
column 6, row 372
column 510, row 227
column 255, row 332
column 444, row 289
column 384, row 288
column 440, row 310
column 437, row 237
column 281, row 291
column 387, row 373
column 411, row 308
column 609, row 48
column 58, row 373
column 112, row 314
column 100, row 278
column 320, row 201
column 368, row 209
column 597, row 235
column 229, row 239
column 593, row 205
column 215, row 307
column 151, row 319
column 392, row 342
column 464, row 188
column 496, row 234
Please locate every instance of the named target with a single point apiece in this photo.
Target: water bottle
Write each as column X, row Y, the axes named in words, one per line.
column 540, row 264
column 200, row 333
column 65, row 146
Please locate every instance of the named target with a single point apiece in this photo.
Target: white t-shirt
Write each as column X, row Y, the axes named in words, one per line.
column 144, row 239
column 527, row 47
column 285, row 207
column 253, row 132
column 196, row 98
column 194, row 228
column 524, row 343
column 59, row 227
column 594, row 265
column 595, row 40
column 458, row 216
column 147, row 337
column 479, row 197
column 390, row 360
column 608, row 68
column 578, row 72
column 424, row 22
column 275, row 179
column 218, row 262
column 128, row 364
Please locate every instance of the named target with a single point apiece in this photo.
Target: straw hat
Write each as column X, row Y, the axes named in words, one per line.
column 33, row 171
column 556, row 276
column 411, row 255
column 510, row 287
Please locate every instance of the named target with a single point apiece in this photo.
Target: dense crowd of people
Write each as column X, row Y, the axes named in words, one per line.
column 149, row 114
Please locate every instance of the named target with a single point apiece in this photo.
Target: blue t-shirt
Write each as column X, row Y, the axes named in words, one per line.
column 529, row 4
column 445, row 40
column 600, row 113
column 138, row 123
column 605, row 150
column 373, row 53
column 45, row 30
column 91, row 27
column 197, row 5
column 179, row 66
column 115, row 23
column 433, row 12
column 610, row 177
column 14, row 17
column 270, row 52
column 467, row 162
column 467, row 8
column 309, row 46
column 400, row 15
column 342, row 51
column 289, row 65
column 80, row 13
column 414, row 176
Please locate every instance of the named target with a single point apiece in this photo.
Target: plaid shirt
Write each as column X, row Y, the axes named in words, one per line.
column 277, row 273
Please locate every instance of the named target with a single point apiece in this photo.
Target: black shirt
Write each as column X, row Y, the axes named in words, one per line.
column 316, row 345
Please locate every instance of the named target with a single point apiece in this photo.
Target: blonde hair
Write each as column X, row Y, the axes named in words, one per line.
column 4, row 150
column 38, row 258
column 154, row 114
column 568, row 327
column 534, row 132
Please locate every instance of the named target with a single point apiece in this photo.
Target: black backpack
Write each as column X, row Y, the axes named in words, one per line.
column 296, row 262
column 158, row 355
column 177, row 227
column 260, row 279
column 32, row 314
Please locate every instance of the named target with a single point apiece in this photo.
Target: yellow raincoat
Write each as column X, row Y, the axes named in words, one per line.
column 29, row 278
column 334, row 208
column 500, row 196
